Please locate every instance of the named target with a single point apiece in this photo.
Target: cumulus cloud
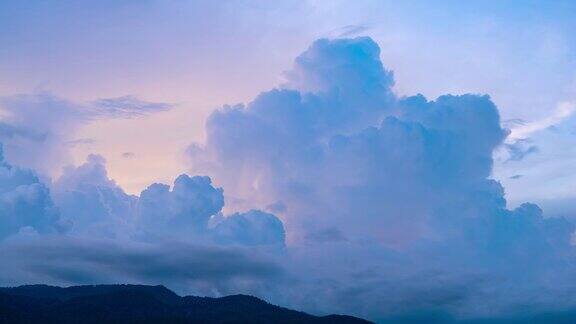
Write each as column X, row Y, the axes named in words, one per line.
column 388, row 202
column 190, row 210
column 186, row 208
column 91, row 201
column 250, row 229
column 25, row 203
column 94, row 232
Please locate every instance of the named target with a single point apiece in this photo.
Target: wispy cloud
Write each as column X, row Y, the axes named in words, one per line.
column 127, row 107
column 353, row 30
column 520, row 149
column 128, row 155
column 524, row 130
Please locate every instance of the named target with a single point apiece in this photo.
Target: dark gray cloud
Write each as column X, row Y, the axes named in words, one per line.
column 127, row 107
column 81, row 141
column 327, row 235
column 520, row 149
column 187, row 267
column 128, row 155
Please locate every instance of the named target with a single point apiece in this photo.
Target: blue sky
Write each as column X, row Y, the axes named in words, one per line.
column 289, row 135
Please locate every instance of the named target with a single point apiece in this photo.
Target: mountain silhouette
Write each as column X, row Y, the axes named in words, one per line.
column 142, row 304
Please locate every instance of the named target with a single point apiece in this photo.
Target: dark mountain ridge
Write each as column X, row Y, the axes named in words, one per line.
column 142, row 304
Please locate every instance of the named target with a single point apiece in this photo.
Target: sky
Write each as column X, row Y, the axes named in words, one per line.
column 391, row 160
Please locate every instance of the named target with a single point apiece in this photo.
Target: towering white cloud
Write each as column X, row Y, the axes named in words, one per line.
column 389, row 207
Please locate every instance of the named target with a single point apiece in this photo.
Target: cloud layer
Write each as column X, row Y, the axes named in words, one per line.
column 85, row 229
column 383, row 205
